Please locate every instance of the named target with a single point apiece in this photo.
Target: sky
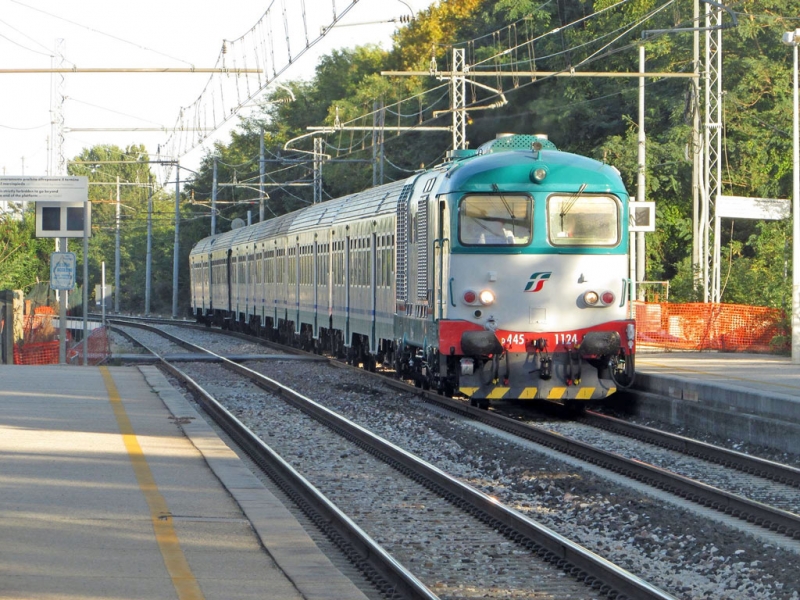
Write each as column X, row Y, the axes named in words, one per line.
column 93, row 34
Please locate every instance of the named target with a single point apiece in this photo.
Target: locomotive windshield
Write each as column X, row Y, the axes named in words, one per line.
column 577, row 220
column 495, row 220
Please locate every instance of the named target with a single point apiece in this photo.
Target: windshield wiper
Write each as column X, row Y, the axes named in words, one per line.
column 565, row 208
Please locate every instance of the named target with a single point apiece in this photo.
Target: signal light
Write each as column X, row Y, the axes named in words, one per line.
column 485, row 297
column 406, row 18
column 592, row 298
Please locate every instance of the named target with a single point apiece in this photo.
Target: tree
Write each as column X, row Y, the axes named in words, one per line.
column 24, row 258
column 592, row 116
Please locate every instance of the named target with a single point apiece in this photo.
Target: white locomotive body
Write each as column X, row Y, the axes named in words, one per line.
column 500, row 274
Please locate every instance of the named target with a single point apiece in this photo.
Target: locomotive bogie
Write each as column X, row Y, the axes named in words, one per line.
column 502, row 274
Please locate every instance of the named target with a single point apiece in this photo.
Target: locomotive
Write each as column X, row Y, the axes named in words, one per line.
column 498, row 274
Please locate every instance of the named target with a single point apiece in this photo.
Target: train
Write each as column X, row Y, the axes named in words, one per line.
column 499, row 274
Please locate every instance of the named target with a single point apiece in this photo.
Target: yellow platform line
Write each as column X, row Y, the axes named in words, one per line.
column 183, row 580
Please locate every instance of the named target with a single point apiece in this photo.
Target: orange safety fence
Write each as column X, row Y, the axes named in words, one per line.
column 98, row 348
column 36, row 353
column 708, row 326
column 40, row 344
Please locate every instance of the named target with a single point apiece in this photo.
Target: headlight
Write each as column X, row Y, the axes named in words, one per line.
column 592, row 298
column 486, row 297
column 538, row 174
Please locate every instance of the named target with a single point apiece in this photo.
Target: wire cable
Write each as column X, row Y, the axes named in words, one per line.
column 97, row 31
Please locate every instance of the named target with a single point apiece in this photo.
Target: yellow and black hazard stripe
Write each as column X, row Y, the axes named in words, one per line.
column 555, row 394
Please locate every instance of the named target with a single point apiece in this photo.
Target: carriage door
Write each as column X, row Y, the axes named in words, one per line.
column 296, row 270
column 208, row 303
column 373, row 276
column 315, row 285
column 229, row 269
column 441, row 246
column 347, row 253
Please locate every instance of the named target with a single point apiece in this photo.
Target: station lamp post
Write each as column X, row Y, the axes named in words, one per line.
column 792, row 38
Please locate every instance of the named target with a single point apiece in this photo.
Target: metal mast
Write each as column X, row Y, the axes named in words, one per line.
column 713, row 147
column 318, row 159
column 457, row 100
column 57, row 125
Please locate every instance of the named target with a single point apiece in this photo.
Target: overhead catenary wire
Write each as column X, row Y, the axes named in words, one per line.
column 222, row 97
column 97, row 31
column 514, row 43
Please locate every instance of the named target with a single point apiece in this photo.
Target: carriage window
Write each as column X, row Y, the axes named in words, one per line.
column 578, row 220
column 495, row 220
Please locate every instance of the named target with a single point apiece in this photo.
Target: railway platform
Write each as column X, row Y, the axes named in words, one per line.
column 753, row 398
column 112, row 486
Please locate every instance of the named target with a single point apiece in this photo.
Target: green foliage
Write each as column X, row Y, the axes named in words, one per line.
column 24, row 259
column 596, row 116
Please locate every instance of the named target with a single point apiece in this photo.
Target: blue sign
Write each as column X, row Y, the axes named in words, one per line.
column 62, row 271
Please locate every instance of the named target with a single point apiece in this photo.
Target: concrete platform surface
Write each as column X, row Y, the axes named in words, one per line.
column 754, row 398
column 758, row 372
column 112, row 486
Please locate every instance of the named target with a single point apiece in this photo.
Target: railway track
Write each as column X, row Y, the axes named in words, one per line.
column 740, row 461
column 444, row 517
column 686, row 544
column 772, row 507
column 753, row 511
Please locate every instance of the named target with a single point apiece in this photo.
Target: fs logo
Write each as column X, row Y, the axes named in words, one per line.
column 537, row 281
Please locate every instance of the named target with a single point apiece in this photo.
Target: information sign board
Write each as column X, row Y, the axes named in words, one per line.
column 63, row 219
column 764, row 209
column 62, row 271
column 53, row 189
column 642, row 216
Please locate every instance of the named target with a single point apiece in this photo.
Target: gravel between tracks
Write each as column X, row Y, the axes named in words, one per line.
column 672, row 548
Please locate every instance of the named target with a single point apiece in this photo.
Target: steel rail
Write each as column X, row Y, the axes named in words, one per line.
column 381, row 568
column 765, row 516
column 363, row 550
column 774, row 519
column 574, row 559
column 146, row 321
column 730, row 458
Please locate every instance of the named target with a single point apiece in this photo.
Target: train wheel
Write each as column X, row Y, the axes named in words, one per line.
column 574, row 409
